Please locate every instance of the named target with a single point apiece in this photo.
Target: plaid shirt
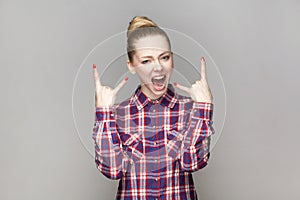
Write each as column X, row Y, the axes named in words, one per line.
column 153, row 146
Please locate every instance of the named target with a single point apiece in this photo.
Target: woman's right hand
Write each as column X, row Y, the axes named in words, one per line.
column 104, row 95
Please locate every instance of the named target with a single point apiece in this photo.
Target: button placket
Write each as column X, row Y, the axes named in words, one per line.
column 180, row 137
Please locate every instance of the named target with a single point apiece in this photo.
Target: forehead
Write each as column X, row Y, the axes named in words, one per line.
column 151, row 45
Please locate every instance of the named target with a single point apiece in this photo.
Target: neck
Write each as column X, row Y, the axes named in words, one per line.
column 156, row 99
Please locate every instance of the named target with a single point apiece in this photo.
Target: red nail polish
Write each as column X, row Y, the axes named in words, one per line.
column 94, row 66
column 175, row 83
column 126, row 78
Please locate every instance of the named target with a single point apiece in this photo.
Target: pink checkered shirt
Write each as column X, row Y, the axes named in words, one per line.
column 153, row 146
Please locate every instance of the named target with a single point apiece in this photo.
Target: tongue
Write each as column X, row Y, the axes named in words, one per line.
column 158, row 85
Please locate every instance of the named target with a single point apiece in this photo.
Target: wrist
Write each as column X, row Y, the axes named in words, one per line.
column 204, row 101
column 103, row 105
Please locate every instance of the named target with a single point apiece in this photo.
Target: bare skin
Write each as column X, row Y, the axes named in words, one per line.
column 105, row 96
column 199, row 91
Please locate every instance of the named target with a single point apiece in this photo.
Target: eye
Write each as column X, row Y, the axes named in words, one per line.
column 166, row 57
column 145, row 61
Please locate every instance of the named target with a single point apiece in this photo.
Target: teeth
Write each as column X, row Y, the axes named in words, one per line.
column 158, row 77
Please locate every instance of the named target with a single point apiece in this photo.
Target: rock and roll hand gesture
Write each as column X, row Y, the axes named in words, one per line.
column 199, row 91
column 104, row 95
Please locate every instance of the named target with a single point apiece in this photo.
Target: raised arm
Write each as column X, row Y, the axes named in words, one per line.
column 194, row 150
column 110, row 159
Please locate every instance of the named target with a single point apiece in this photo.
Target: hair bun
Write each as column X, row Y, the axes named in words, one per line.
column 140, row 27
column 140, row 21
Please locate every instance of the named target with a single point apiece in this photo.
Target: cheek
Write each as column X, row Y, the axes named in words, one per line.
column 170, row 70
column 170, row 64
column 143, row 74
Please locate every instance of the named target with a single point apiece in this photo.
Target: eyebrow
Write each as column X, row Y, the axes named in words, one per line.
column 159, row 54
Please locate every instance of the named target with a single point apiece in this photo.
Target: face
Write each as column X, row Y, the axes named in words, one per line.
column 153, row 63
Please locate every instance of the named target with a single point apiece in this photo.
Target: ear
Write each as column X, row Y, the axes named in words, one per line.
column 131, row 67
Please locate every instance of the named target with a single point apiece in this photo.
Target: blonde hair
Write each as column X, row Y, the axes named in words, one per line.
column 140, row 27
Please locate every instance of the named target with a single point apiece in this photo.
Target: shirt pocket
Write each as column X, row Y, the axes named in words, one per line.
column 133, row 145
column 174, row 142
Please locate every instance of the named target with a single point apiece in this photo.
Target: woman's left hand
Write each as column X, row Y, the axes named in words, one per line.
column 199, row 91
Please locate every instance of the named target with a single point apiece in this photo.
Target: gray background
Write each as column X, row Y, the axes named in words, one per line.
column 254, row 43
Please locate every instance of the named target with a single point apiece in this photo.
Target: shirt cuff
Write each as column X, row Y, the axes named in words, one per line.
column 202, row 110
column 104, row 113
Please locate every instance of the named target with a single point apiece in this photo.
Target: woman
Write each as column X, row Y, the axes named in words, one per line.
column 155, row 139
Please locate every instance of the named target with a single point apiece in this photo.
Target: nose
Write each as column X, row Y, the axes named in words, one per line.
column 157, row 66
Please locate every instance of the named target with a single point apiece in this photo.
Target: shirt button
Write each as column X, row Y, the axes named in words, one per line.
column 153, row 126
column 153, row 110
column 155, row 143
column 155, row 160
column 156, row 179
column 180, row 137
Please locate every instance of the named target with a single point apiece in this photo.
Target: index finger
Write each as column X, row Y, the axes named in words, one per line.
column 123, row 82
column 203, row 69
column 96, row 76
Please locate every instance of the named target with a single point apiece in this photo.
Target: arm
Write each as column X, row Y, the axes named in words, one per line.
column 195, row 153
column 109, row 157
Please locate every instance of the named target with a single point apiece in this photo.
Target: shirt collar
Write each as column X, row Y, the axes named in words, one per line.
column 141, row 100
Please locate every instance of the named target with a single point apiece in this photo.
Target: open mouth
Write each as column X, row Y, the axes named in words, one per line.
column 159, row 82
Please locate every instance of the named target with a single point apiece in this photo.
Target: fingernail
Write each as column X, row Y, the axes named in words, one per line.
column 202, row 58
column 126, row 78
column 94, row 66
column 175, row 83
